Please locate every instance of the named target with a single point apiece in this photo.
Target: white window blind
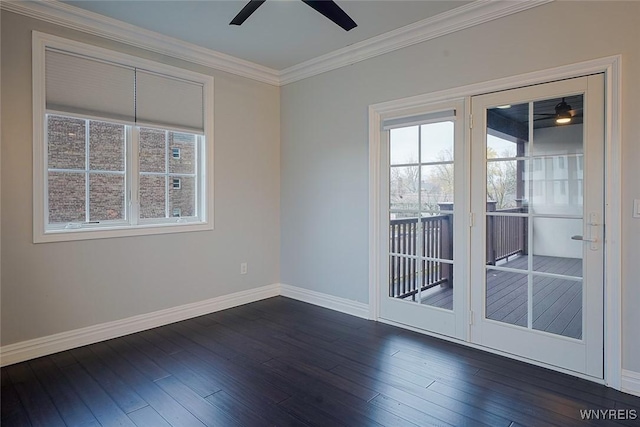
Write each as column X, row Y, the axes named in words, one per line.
column 421, row 119
column 88, row 86
column 167, row 101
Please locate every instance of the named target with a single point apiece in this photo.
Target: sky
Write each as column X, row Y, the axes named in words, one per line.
column 437, row 142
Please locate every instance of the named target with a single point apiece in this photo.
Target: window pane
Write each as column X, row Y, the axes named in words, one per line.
column 508, row 131
column 183, row 198
column 404, row 184
column 106, row 146
column 66, row 197
column 437, row 142
column 152, row 196
column 557, row 306
column 152, row 150
column 66, row 142
column 556, row 186
column 437, row 187
column 507, row 297
column 106, row 197
column 505, row 184
column 184, row 145
column 404, row 145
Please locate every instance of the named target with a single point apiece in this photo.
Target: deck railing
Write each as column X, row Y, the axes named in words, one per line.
column 407, row 274
column 506, row 236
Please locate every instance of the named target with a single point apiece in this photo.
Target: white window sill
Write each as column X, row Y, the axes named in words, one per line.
column 66, row 235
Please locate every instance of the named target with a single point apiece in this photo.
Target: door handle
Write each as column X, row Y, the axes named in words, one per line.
column 584, row 239
column 593, row 224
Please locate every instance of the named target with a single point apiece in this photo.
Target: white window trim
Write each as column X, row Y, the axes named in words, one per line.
column 41, row 41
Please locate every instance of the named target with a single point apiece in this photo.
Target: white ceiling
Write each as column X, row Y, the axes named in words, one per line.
column 280, row 34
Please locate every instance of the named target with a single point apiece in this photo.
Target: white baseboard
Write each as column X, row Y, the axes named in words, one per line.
column 630, row 382
column 26, row 350
column 343, row 305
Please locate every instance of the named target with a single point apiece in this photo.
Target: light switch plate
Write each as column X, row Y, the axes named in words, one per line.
column 636, row 208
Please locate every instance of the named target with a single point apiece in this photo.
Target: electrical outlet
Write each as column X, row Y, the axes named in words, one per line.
column 243, row 268
column 636, row 208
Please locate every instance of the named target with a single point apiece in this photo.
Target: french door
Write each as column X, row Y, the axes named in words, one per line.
column 493, row 226
column 423, row 207
column 537, row 196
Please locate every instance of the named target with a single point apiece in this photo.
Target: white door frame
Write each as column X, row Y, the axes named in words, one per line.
column 611, row 67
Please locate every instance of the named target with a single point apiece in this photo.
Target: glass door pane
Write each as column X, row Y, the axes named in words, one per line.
column 421, row 195
column 534, row 215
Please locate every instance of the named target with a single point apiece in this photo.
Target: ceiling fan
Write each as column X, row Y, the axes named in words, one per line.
column 326, row 7
column 563, row 113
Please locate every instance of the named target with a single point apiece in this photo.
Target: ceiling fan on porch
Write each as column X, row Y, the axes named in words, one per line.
column 326, row 7
column 564, row 114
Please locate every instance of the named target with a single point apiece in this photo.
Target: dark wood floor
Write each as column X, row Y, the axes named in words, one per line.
column 281, row 362
column 557, row 303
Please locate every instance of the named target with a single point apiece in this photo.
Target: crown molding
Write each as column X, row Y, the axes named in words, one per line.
column 79, row 19
column 469, row 15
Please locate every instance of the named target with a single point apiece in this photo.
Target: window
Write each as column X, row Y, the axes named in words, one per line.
column 86, row 171
column 122, row 145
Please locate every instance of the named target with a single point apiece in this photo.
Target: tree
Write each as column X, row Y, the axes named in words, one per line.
column 501, row 180
column 404, row 186
column 443, row 175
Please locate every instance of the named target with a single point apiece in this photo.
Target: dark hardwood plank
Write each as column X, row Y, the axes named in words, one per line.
column 152, row 336
column 105, row 410
column 240, row 377
column 424, row 400
column 147, row 417
column 287, row 363
column 124, row 396
column 5, row 379
column 198, row 383
column 143, row 364
column 209, row 414
column 310, row 414
column 157, row 398
column 64, row 358
column 12, row 413
column 524, row 411
column 407, row 412
column 227, row 376
column 40, row 410
column 254, row 414
column 70, row 406
column 334, row 395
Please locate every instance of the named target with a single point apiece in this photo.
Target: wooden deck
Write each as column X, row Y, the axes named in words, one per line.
column 557, row 303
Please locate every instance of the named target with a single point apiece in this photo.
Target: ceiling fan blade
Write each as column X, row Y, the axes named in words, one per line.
column 246, row 12
column 332, row 11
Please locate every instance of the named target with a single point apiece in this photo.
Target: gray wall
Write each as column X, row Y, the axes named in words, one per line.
column 324, row 151
column 56, row 287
